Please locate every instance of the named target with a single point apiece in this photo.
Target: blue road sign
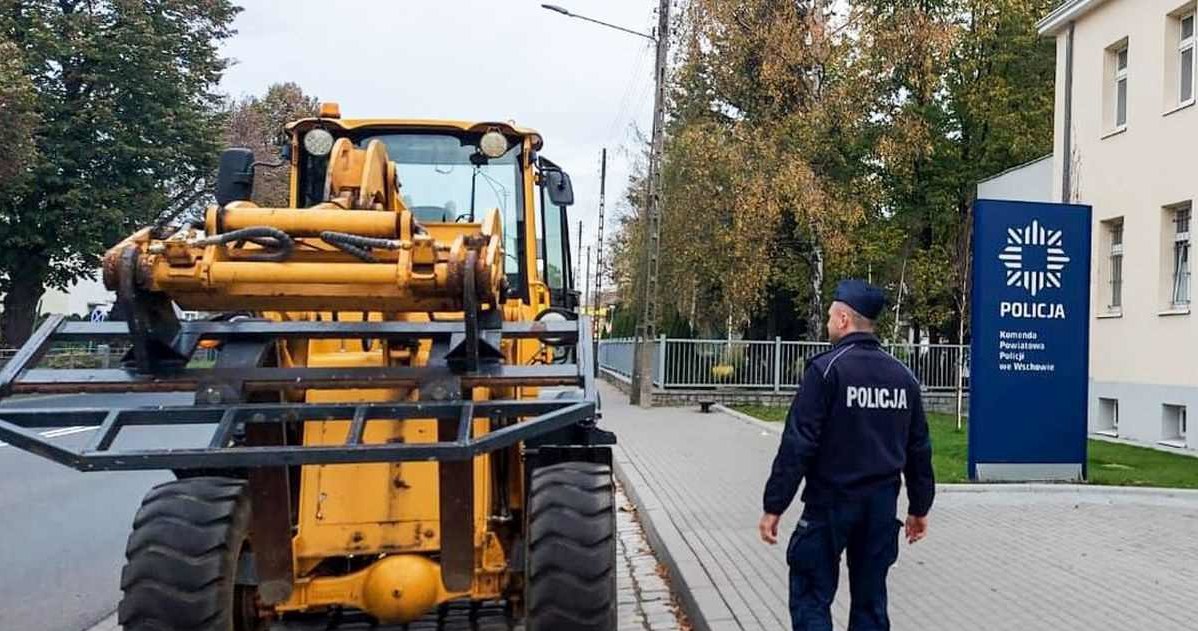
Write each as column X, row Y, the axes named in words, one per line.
column 1030, row 328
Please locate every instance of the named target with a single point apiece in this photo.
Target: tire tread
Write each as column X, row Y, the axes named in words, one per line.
column 571, row 577
column 181, row 556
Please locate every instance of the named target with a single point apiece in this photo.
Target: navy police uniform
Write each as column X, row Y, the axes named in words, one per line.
column 856, row 424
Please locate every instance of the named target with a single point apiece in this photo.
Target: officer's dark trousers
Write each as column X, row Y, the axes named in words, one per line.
column 868, row 530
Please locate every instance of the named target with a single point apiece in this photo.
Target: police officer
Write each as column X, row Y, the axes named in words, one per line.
column 855, row 425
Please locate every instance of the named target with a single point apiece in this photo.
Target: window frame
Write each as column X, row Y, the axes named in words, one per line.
column 1115, row 262
column 1106, row 404
column 1174, row 425
column 1184, row 45
column 1181, row 294
column 1121, row 81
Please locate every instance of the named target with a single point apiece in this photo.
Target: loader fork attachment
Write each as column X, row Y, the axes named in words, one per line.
column 540, row 421
column 456, row 482
column 269, row 487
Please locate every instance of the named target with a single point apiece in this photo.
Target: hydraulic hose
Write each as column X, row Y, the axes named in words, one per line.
column 276, row 244
column 357, row 245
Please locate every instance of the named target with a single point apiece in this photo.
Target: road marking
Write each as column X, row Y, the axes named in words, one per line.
column 107, row 624
column 62, row 431
column 37, row 397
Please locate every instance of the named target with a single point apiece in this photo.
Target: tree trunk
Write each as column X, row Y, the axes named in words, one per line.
column 815, row 316
column 25, row 289
column 898, row 303
column 960, row 375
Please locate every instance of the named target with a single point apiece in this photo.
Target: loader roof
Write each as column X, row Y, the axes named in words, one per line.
column 351, row 124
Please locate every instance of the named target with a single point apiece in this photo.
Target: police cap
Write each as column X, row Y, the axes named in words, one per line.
column 863, row 297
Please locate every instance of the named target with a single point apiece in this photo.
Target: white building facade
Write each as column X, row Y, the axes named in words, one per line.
column 81, row 298
column 1031, row 182
column 1126, row 124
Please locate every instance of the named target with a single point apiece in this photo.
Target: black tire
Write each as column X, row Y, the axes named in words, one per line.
column 571, row 561
column 182, row 559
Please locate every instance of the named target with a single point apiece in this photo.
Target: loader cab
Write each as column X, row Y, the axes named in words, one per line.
column 449, row 172
column 453, row 172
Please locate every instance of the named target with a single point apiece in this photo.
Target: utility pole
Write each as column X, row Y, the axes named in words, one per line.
column 597, row 296
column 642, row 364
column 587, row 283
column 578, row 264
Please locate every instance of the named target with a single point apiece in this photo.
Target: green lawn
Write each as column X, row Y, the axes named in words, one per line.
column 1110, row 463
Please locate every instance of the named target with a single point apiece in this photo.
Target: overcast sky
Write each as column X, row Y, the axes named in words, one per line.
column 581, row 85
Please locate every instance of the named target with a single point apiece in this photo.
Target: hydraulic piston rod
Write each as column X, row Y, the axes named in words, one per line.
column 304, row 222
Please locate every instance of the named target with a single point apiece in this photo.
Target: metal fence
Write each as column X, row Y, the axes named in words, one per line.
column 616, row 356
column 764, row 365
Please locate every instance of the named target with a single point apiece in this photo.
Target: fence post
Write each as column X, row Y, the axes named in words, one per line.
column 661, row 362
column 777, row 364
column 960, row 386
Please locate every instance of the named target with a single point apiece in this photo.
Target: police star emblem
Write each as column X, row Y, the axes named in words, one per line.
column 1033, row 257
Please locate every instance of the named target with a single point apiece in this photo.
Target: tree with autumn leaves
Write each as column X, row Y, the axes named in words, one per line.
column 256, row 123
column 112, row 121
column 811, row 140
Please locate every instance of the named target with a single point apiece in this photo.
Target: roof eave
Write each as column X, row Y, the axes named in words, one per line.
column 1064, row 14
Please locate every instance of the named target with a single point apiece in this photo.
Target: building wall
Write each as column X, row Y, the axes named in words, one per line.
column 1031, row 182
column 1143, row 352
column 78, row 299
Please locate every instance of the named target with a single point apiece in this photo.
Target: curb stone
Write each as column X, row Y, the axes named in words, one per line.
column 696, row 593
column 107, row 624
column 1089, row 492
column 752, row 420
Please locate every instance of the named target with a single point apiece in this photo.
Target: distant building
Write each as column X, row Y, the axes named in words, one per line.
column 81, row 298
column 1126, row 124
column 1031, row 182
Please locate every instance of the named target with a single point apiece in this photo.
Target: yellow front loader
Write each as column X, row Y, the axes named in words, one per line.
column 400, row 420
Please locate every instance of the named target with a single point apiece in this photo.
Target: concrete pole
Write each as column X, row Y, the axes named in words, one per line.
column 642, row 377
column 597, row 297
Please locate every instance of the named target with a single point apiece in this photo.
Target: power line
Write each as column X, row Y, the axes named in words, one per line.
column 632, row 88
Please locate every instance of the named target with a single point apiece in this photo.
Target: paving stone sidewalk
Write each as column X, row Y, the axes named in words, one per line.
column 1018, row 558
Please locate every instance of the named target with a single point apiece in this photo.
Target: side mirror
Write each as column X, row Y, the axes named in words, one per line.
column 557, row 184
column 235, row 176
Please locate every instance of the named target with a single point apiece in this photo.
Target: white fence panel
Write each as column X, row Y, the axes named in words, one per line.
column 765, row 365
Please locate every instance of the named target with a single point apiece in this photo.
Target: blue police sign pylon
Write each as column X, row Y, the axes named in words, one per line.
column 1030, row 341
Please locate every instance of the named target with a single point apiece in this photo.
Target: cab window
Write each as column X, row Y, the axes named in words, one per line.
column 556, row 270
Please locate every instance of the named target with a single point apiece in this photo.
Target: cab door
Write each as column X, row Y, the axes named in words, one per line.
column 557, row 270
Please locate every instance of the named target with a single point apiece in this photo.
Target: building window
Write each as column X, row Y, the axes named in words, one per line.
column 1115, row 232
column 1108, row 417
column 1185, row 79
column 1181, row 258
column 1121, row 87
column 1173, row 425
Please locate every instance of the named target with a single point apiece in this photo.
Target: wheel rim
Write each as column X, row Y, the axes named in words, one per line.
column 246, row 614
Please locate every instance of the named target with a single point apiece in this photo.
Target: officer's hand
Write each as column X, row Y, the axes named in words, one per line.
column 768, row 527
column 917, row 528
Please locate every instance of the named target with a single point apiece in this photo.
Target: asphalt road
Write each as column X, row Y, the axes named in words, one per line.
column 62, row 533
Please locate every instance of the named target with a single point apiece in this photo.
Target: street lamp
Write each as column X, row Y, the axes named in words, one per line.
column 565, row 12
column 646, row 328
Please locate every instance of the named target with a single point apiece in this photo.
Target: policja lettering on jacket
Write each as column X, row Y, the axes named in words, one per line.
column 876, row 398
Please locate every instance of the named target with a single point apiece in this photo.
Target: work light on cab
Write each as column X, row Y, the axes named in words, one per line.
column 318, row 142
column 493, row 144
